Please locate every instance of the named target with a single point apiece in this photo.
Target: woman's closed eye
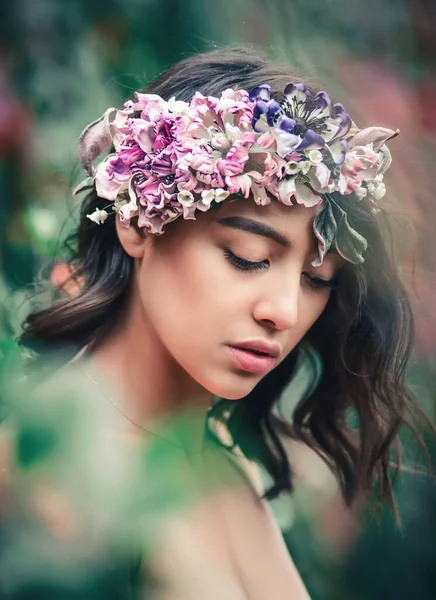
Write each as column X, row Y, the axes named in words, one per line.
column 312, row 281
column 319, row 283
column 245, row 265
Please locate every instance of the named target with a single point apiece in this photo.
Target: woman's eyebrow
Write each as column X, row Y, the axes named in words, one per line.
column 255, row 227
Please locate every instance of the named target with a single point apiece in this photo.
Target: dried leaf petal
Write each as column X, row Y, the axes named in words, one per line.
column 375, row 135
column 95, row 138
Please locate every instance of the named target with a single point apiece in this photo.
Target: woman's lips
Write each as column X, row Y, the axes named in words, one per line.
column 251, row 362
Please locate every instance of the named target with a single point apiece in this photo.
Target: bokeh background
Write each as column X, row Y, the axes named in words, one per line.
column 62, row 63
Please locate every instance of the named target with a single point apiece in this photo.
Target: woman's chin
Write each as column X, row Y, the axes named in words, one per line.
column 236, row 388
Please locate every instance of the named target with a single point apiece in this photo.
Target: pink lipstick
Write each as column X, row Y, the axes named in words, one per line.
column 255, row 357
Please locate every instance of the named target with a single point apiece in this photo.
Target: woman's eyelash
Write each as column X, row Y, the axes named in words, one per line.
column 245, row 265
column 317, row 283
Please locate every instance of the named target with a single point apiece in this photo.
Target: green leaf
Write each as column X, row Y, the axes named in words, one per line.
column 349, row 243
column 86, row 184
column 324, row 227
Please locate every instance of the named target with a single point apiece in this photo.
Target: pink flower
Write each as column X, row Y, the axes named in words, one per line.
column 200, row 160
column 141, row 132
column 234, row 101
column 152, row 107
column 239, row 183
column 156, row 192
column 174, row 159
column 110, row 184
column 163, row 135
column 234, row 161
column 360, row 165
column 122, row 163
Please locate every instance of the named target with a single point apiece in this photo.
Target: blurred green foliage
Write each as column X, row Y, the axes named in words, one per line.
column 84, row 501
column 63, row 63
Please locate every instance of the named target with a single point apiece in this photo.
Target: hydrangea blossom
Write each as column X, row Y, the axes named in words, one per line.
column 174, row 158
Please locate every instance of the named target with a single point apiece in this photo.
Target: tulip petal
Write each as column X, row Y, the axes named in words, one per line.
column 286, row 188
column 286, row 124
column 338, row 150
column 262, row 92
column 273, row 109
column 286, row 142
column 311, row 140
column 322, row 105
column 297, row 91
column 305, row 196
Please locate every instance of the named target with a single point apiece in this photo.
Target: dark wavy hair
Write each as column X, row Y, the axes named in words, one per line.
column 364, row 337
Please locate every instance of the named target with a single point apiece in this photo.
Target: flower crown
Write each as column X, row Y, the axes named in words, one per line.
column 173, row 158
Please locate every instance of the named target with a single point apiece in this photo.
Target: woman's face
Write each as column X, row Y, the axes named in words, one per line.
column 235, row 276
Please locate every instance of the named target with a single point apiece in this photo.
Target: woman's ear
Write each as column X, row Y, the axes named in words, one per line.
column 132, row 238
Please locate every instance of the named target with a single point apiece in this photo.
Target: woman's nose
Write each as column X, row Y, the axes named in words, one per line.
column 278, row 306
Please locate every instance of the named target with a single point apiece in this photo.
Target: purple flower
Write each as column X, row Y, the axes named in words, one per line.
column 318, row 124
column 263, row 106
column 303, row 121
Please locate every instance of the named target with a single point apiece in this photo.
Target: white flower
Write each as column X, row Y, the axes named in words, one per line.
column 208, row 196
column 185, row 198
column 292, row 167
column 305, row 166
column 176, row 106
column 379, row 191
column 314, row 156
column 98, row 216
column 378, row 179
column 217, row 195
column 361, row 193
column 221, row 195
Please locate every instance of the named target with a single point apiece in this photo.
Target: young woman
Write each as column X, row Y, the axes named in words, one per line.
column 234, row 223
